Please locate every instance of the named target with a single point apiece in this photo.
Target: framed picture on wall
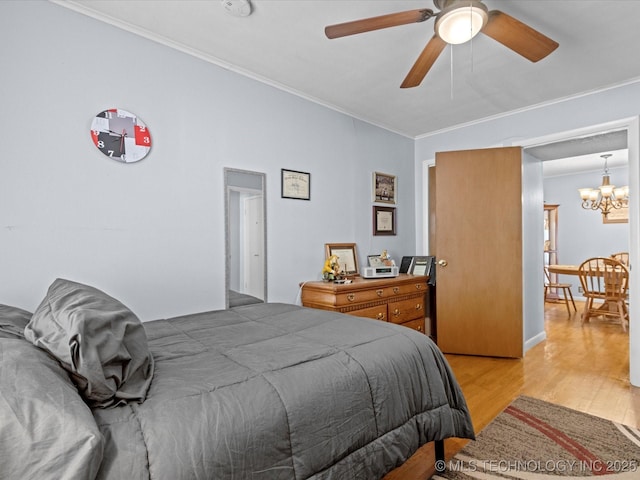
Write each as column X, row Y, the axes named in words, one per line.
column 296, row 184
column 384, row 187
column 617, row 215
column 384, row 220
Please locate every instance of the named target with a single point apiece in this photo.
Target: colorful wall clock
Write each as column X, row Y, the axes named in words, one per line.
column 121, row 135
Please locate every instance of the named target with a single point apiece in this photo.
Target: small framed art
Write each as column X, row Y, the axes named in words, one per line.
column 375, row 261
column 296, row 184
column 421, row 266
column 620, row 215
column 347, row 256
column 384, row 220
column 384, row 187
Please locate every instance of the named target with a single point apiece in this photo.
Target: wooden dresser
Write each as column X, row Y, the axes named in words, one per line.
column 401, row 299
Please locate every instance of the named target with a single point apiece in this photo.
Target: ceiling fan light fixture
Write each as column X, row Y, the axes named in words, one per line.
column 461, row 22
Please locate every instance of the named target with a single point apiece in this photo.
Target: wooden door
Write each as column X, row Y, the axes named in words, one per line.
column 478, row 233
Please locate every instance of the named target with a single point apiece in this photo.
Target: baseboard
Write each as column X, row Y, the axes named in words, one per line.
column 532, row 342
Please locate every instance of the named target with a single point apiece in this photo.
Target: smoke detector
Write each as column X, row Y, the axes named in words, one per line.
column 237, row 8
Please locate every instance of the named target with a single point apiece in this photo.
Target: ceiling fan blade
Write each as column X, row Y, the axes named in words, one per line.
column 376, row 23
column 517, row 36
column 424, row 62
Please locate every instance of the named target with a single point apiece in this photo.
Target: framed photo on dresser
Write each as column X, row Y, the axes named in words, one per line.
column 421, row 265
column 347, row 256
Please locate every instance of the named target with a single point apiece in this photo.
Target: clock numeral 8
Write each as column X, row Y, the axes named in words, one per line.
column 100, row 144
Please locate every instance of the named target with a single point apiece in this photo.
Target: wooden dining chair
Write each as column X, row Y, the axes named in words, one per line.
column 622, row 257
column 605, row 282
column 565, row 288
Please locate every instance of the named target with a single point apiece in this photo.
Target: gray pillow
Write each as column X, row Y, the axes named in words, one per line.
column 12, row 321
column 95, row 338
column 46, row 429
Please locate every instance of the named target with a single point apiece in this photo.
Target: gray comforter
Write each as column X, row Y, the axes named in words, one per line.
column 265, row 391
column 276, row 391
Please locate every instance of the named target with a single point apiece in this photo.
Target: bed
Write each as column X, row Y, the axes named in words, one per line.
column 262, row 391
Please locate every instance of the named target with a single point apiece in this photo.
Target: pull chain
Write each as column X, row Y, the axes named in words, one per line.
column 451, row 72
column 471, row 34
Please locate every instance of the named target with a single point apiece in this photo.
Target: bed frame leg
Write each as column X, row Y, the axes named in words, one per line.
column 439, row 448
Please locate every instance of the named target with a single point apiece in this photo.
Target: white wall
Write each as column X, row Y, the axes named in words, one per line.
column 152, row 233
column 532, row 240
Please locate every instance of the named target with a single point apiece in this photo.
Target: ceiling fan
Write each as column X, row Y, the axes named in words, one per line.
column 458, row 21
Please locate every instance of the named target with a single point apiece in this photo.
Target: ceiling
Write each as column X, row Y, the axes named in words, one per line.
column 282, row 43
column 583, row 153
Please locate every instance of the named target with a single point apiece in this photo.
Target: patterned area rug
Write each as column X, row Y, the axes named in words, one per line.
column 532, row 439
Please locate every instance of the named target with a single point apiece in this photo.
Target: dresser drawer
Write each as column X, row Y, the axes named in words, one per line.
column 405, row 310
column 379, row 312
column 415, row 324
column 398, row 299
column 409, row 288
column 362, row 296
column 379, row 293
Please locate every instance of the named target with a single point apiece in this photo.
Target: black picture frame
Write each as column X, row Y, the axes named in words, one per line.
column 384, row 220
column 295, row 184
column 405, row 264
column 421, row 266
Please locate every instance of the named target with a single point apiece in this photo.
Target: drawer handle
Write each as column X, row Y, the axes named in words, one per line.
column 419, row 328
column 380, row 292
column 396, row 312
column 418, row 286
column 380, row 316
column 351, row 297
column 418, row 306
column 396, row 290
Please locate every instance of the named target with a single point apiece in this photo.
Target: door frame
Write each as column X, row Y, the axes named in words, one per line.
column 250, row 281
column 632, row 126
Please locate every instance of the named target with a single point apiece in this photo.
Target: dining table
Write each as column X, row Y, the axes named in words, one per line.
column 573, row 270
column 563, row 269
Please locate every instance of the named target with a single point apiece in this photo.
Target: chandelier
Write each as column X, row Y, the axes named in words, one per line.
column 606, row 197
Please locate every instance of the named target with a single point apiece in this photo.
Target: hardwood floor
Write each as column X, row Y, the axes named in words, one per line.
column 584, row 367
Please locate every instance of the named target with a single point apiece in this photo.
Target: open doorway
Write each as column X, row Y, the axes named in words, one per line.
column 574, row 163
column 631, row 127
column 533, row 274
